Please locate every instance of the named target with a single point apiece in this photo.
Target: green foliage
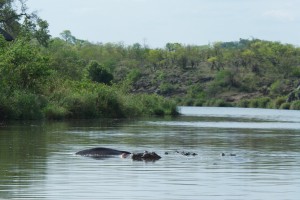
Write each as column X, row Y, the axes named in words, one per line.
column 22, row 66
column 22, row 105
column 278, row 102
column 65, row 59
column 167, row 88
column 98, row 73
column 244, row 103
column 225, row 78
column 18, row 22
column 295, row 71
column 262, row 102
column 55, row 112
column 295, row 105
column 217, row 103
column 279, row 87
column 92, row 100
column 285, row 106
column 134, row 75
column 73, row 78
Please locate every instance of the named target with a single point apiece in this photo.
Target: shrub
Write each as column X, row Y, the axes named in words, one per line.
column 188, row 102
column 199, row 102
column 108, row 103
column 226, row 78
column 262, row 102
column 278, row 102
column 98, row 73
column 295, row 72
column 244, row 103
column 134, row 75
column 295, row 105
column 27, row 106
column 6, row 109
column 285, row 106
column 156, row 105
column 166, row 88
column 276, row 87
column 217, row 103
column 55, row 112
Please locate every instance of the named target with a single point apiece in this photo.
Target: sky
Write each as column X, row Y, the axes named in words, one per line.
column 157, row 22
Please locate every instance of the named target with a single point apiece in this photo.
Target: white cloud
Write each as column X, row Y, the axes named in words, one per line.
column 281, row 15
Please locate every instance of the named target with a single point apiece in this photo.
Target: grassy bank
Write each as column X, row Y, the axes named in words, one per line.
column 82, row 100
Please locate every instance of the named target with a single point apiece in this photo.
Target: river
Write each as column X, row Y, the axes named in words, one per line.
column 242, row 153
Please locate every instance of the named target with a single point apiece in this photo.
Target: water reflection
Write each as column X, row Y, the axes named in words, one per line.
column 38, row 161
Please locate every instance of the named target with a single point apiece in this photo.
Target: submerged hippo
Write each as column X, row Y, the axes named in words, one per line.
column 146, row 156
column 102, row 152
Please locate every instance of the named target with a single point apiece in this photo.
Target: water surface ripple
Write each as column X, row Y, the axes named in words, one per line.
column 261, row 148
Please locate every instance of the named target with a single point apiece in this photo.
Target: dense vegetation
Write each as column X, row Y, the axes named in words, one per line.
column 57, row 78
column 246, row 73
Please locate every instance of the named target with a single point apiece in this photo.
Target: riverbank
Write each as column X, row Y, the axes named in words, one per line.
column 78, row 100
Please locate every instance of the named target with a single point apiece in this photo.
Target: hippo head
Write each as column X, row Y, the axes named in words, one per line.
column 146, row 156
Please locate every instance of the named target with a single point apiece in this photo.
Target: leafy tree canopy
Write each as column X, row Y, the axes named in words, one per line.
column 18, row 22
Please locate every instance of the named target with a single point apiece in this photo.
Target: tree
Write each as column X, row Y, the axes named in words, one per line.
column 6, row 35
column 68, row 37
column 23, row 67
column 98, row 73
column 9, row 16
column 16, row 21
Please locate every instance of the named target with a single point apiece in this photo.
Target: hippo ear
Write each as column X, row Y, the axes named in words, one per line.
column 6, row 35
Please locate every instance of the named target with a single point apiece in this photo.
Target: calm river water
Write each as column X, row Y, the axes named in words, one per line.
column 38, row 161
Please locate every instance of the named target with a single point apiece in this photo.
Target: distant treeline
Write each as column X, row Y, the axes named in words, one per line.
column 247, row 73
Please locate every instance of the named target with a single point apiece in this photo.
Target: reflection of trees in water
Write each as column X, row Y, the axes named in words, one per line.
column 267, row 141
column 23, row 156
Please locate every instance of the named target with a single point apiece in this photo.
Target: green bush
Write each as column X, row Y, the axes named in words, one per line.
column 55, row 112
column 109, row 103
column 93, row 100
column 134, row 75
column 244, row 103
column 27, row 106
column 199, row 102
column 278, row 102
column 285, row 106
column 156, row 105
column 166, row 88
column 262, row 102
column 217, row 103
column 98, row 73
column 226, row 78
column 6, row 109
column 276, row 87
column 295, row 105
column 295, row 72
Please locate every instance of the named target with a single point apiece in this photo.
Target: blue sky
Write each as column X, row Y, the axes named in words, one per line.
column 157, row 22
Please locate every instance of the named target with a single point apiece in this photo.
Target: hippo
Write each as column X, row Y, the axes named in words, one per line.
column 102, row 152
column 146, row 156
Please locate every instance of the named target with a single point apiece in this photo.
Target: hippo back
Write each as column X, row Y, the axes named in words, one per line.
column 101, row 151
